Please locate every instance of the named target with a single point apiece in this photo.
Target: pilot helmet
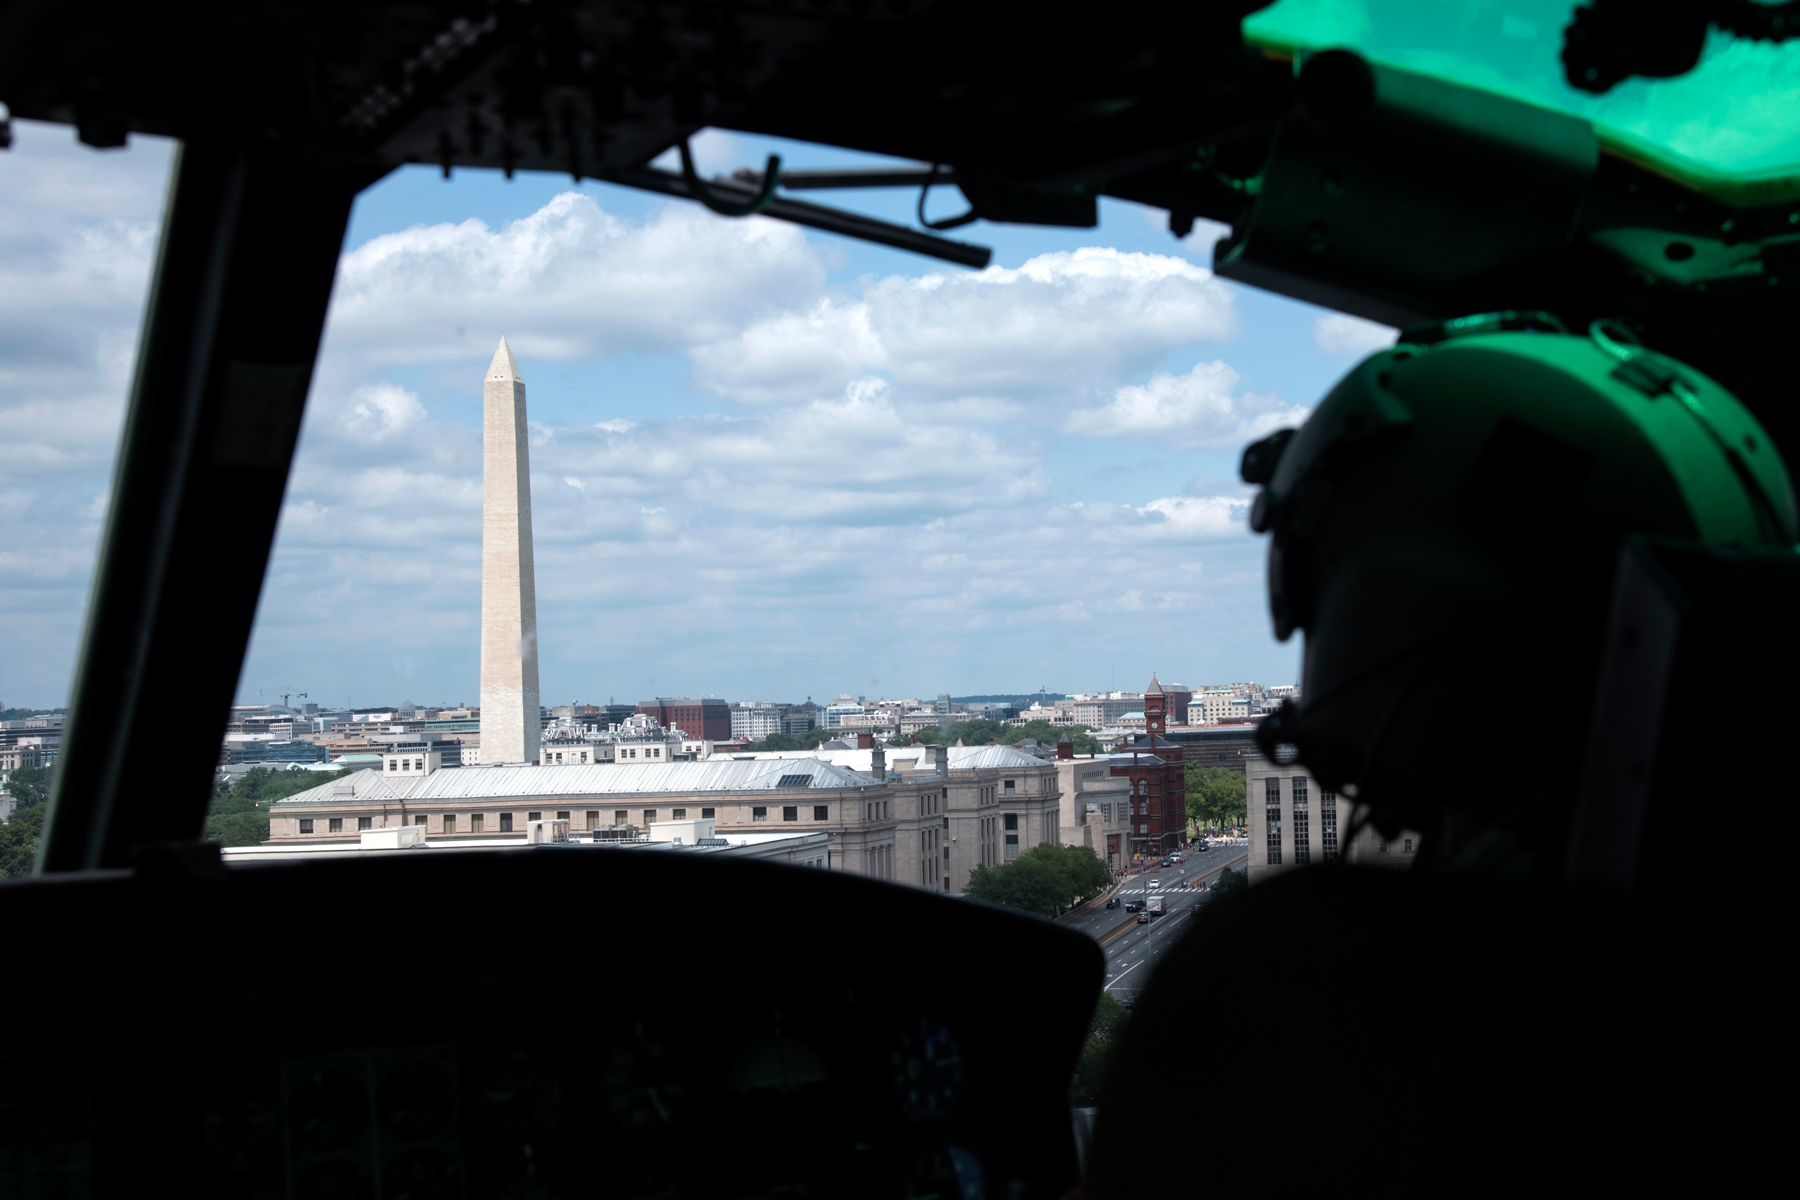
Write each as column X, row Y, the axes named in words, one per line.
column 1445, row 528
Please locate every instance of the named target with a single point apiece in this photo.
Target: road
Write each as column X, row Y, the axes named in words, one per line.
column 1131, row 948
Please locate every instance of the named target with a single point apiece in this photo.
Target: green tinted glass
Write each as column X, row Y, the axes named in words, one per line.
column 1728, row 128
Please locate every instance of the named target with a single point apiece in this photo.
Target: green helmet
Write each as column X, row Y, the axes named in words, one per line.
column 1445, row 528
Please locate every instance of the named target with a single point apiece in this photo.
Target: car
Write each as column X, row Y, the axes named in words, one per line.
column 1143, row 918
column 1113, row 902
column 1154, row 883
column 1203, row 847
column 1133, row 905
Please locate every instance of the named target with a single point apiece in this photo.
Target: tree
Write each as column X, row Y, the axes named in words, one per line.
column 976, row 732
column 30, row 785
column 1046, row 879
column 1103, row 1033
column 797, row 741
column 1086, row 871
column 19, row 714
column 19, row 841
column 238, row 814
column 1230, row 881
column 1215, row 795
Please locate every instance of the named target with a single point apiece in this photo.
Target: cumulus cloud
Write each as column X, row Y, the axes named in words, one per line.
column 880, row 487
column 78, row 232
column 1200, row 408
column 570, row 281
column 1199, row 517
column 826, row 531
column 891, row 427
column 379, row 411
column 851, row 460
column 1056, row 325
column 1339, row 333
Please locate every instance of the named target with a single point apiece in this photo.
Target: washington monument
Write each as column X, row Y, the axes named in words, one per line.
column 510, row 726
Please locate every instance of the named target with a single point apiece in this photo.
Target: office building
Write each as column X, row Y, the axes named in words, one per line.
column 708, row 718
column 1296, row 823
column 756, row 720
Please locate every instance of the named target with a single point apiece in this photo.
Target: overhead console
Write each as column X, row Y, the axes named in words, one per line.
column 1401, row 198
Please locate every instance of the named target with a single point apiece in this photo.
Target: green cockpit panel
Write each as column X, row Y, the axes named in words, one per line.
column 1728, row 128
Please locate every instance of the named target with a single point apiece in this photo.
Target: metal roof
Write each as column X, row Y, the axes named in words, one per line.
column 622, row 779
column 997, row 757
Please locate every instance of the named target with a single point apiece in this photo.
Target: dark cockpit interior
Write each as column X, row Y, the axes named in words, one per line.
column 1596, row 270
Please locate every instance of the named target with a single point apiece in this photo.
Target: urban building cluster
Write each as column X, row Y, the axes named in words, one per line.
column 916, row 814
column 26, row 744
column 30, row 742
column 1106, row 712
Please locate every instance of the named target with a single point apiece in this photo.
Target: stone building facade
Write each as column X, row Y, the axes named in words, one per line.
column 993, row 803
column 1296, row 823
column 1096, row 805
column 923, row 816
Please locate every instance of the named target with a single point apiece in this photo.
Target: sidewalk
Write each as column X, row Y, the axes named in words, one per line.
column 1088, row 906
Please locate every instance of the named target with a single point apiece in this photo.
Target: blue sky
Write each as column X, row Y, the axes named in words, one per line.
column 767, row 462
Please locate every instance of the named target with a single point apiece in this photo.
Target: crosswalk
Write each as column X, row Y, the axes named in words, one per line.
column 1137, row 946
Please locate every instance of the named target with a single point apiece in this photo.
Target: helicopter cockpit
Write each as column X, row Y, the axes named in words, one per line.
column 1584, row 219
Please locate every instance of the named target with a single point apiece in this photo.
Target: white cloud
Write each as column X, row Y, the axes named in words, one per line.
column 825, row 532
column 849, row 461
column 890, row 476
column 1199, row 408
column 569, row 281
column 1057, row 325
column 379, row 411
column 78, row 233
column 885, row 504
column 1339, row 333
column 1199, row 517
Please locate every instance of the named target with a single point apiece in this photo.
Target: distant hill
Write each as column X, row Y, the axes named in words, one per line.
column 1010, row 698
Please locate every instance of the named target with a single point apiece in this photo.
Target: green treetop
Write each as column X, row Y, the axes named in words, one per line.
column 1046, row 879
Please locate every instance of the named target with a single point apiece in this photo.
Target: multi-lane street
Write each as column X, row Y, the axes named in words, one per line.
column 1131, row 948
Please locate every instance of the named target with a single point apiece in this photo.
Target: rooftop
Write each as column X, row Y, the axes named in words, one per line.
column 958, row 758
column 736, row 844
column 627, row 779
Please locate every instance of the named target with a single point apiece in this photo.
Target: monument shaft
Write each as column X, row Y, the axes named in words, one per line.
column 510, row 726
